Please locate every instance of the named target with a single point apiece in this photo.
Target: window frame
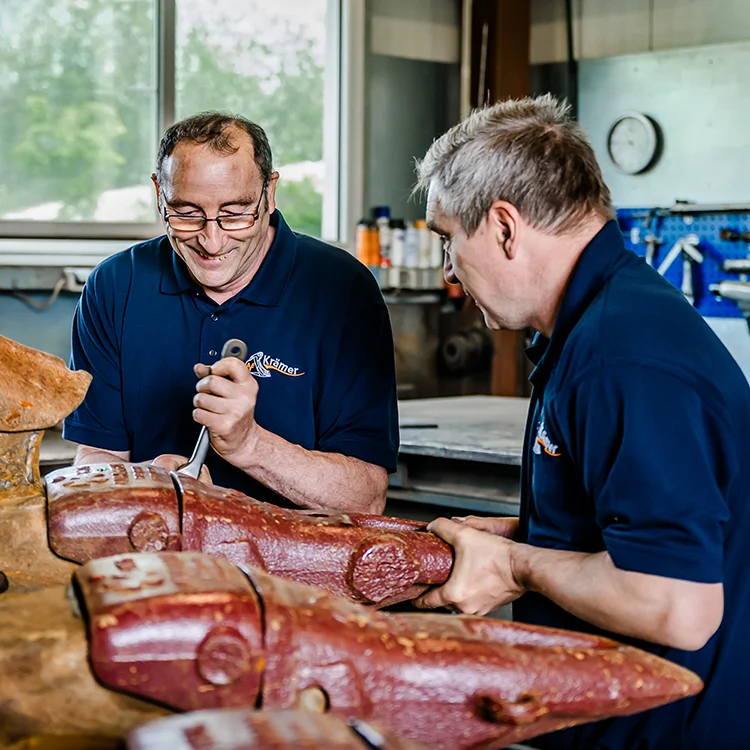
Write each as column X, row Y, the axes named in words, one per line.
column 50, row 238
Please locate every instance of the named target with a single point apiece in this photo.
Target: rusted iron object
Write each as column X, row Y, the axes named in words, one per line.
column 37, row 391
column 47, row 689
column 191, row 631
column 244, row 729
column 106, row 509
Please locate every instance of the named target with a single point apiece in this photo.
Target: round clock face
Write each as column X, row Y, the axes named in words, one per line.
column 632, row 143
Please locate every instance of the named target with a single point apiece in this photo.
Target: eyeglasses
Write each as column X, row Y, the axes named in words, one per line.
column 229, row 222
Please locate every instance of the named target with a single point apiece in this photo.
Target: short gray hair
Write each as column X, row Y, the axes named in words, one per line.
column 528, row 152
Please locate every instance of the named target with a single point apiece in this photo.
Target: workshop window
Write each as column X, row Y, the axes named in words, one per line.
column 86, row 86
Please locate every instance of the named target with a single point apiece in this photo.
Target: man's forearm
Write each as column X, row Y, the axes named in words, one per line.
column 589, row 586
column 313, row 479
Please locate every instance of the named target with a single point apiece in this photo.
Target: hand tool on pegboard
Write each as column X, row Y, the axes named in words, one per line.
column 687, row 248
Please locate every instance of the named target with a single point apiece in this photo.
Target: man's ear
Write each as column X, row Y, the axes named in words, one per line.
column 504, row 222
column 271, row 192
column 156, row 188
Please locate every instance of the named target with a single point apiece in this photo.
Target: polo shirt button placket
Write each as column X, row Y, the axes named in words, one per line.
column 215, row 318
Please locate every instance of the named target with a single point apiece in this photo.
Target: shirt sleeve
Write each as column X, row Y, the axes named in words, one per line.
column 358, row 412
column 657, row 461
column 95, row 347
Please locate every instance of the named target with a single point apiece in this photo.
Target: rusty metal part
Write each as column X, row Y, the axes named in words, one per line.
column 25, row 556
column 66, row 742
column 38, row 388
column 107, row 509
column 168, row 626
column 243, row 729
column 19, row 465
column 46, row 685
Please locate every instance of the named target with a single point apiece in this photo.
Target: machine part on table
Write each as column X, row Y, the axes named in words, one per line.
column 192, row 632
column 467, row 351
column 232, row 348
column 686, row 248
column 244, row 729
column 105, row 509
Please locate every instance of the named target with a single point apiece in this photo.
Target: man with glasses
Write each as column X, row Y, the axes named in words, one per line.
column 310, row 419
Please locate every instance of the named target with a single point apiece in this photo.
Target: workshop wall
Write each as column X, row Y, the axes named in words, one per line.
column 47, row 329
column 604, row 28
column 699, row 99
column 412, row 85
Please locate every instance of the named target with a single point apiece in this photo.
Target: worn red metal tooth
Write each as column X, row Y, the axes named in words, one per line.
column 244, row 729
column 106, row 509
column 370, row 559
column 447, row 682
column 181, row 629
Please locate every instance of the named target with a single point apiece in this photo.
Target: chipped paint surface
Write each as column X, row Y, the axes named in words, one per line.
column 444, row 681
column 107, row 509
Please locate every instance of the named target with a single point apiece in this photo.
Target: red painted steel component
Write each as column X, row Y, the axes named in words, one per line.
column 106, row 509
column 243, row 729
column 191, row 631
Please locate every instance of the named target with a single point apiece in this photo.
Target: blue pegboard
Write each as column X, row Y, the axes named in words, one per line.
column 669, row 227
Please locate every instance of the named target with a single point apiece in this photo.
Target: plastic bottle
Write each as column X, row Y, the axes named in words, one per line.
column 363, row 241
column 411, row 241
column 423, row 234
column 383, row 223
column 368, row 247
column 398, row 243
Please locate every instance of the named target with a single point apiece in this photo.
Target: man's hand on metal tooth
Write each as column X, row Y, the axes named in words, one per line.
column 225, row 403
column 482, row 578
column 506, row 526
column 173, row 462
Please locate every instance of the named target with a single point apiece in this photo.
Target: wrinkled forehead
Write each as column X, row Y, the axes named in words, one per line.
column 195, row 165
column 437, row 220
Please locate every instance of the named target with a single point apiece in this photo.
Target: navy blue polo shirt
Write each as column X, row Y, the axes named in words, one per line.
column 319, row 342
column 637, row 444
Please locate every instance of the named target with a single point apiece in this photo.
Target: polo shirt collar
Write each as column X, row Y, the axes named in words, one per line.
column 603, row 255
column 266, row 288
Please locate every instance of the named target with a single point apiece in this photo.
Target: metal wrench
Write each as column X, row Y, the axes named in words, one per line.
column 232, row 348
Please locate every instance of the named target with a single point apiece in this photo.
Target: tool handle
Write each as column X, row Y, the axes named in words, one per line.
column 232, row 348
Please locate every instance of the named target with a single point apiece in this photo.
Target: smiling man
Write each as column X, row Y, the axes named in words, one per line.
column 310, row 419
column 635, row 483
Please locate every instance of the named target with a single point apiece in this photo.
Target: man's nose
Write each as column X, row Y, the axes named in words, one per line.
column 213, row 237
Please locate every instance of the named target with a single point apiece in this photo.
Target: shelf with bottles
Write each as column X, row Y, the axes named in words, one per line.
column 401, row 254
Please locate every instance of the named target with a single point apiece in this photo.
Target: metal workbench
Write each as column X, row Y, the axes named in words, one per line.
column 458, row 455
column 462, row 454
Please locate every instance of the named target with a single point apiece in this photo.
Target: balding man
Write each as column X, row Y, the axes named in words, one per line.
column 310, row 419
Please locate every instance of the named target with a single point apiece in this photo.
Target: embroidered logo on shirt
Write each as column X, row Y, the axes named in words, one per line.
column 543, row 442
column 261, row 365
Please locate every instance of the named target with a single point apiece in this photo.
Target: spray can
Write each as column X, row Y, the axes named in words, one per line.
column 383, row 223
